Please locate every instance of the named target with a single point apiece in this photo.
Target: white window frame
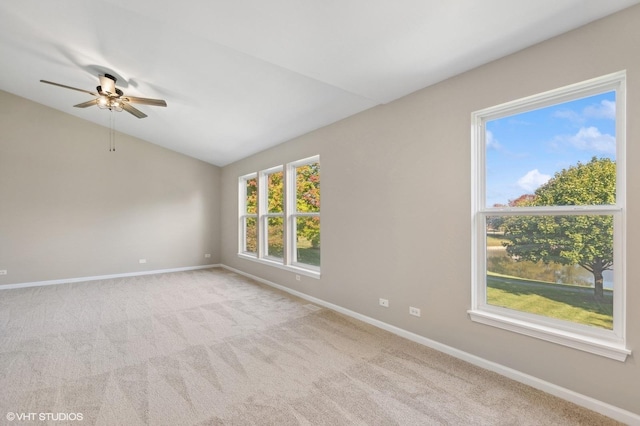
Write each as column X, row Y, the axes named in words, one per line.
column 289, row 261
column 242, row 208
column 608, row 343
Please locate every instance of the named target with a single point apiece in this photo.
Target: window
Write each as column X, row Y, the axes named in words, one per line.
column 549, row 216
column 279, row 220
column 305, row 213
column 272, row 216
column 249, row 215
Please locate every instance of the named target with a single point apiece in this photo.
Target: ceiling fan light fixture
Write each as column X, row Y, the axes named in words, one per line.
column 116, row 105
column 102, row 102
column 113, row 104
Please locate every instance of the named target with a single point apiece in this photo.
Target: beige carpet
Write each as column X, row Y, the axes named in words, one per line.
column 210, row 347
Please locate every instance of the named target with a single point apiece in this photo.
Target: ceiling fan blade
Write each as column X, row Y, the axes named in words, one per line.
column 69, row 87
column 145, row 101
column 133, row 110
column 92, row 102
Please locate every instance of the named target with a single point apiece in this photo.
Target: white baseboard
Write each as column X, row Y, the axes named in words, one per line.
column 593, row 404
column 105, row 277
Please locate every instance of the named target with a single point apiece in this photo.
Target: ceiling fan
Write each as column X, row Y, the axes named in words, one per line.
column 109, row 97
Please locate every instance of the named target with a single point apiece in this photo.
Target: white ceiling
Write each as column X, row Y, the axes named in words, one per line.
column 241, row 76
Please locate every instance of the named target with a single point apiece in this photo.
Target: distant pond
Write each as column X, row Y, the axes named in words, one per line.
column 500, row 263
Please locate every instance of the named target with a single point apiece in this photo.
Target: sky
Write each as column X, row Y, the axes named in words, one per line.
column 525, row 150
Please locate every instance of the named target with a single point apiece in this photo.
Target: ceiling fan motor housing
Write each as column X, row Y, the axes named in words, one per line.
column 108, row 86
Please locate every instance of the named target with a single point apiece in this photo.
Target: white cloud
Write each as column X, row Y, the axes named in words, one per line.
column 590, row 138
column 570, row 115
column 491, row 142
column 532, row 180
column 606, row 109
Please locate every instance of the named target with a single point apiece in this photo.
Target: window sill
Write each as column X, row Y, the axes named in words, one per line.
column 593, row 345
column 291, row 268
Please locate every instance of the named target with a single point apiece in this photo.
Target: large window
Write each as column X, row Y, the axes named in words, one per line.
column 279, row 220
column 549, row 215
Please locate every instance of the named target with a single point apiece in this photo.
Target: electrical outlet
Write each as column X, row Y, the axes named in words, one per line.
column 414, row 311
column 384, row 302
column 208, row 255
column 3, row 272
column 297, row 277
column 142, row 260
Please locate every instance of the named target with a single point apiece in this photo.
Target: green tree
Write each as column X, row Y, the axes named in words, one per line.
column 252, row 196
column 308, row 201
column 585, row 240
column 251, row 222
column 275, row 204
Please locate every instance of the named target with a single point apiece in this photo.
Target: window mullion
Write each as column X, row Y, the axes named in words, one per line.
column 552, row 210
column 290, row 209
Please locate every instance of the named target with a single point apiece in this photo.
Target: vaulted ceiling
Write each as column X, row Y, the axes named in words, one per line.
column 241, row 76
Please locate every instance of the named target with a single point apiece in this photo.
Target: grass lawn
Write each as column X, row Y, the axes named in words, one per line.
column 495, row 241
column 310, row 256
column 566, row 302
column 307, row 253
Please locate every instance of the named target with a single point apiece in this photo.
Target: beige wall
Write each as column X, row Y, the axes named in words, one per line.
column 70, row 208
column 396, row 207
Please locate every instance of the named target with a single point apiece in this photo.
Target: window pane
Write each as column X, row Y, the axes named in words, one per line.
column 554, row 266
column 275, row 242
column 308, row 188
column 251, row 192
column 527, row 152
column 275, row 193
column 308, row 240
column 250, row 235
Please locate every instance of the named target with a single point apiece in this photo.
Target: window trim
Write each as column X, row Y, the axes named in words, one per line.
column 607, row 343
column 289, row 215
column 292, row 212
